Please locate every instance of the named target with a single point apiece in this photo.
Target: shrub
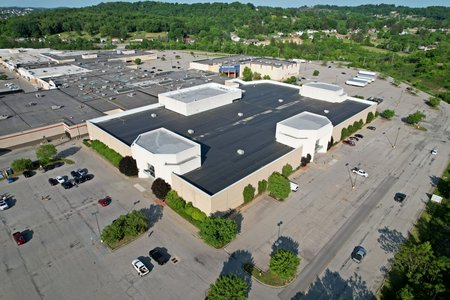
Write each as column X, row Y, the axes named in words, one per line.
column 45, row 153
column 266, row 77
column 316, row 73
column 291, row 80
column 137, row 61
column 350, row 129
column 262, row 186
column 22, row 164
column 106, row 152
column 284, row 263
column 127, row 166
column 198, row 215
column 434, row 102
column 130, row 225
column 160, row 188
column 388, row 114
column 174, row 201
column 189, row 208
column 287, row 170
column 249, row 193
column 228, row 286
column 356, row 126
column 247, row 74
column 278, row 186
column 256, row 76
column 344, row 133
column 218, row 232
column 415, row 118
column 370, row 117
column 87, row 142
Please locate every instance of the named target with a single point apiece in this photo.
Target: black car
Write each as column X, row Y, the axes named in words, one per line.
column 359, row 135
column 75, row 174
column 67, row 185
column 399, row 197
column 160, row 255
column 88, row 177
column 28, row 173
column 358, row 253
column 79, row 179
column 371, row 127
column 53, row 181
column 49, row 167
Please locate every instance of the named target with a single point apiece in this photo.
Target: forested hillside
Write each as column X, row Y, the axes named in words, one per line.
column 408, row 43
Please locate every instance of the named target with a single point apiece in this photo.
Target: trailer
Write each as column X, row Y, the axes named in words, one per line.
column 362, row 72
column 356, row 82
column 366, row 77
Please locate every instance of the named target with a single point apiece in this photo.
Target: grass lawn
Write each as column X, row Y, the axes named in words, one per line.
column 267, row 278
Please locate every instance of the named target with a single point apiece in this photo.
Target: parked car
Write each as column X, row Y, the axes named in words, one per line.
column 140, row 267
column 358, row 253
column 79, row 179
column 294, row 186
column 399, row 197
column 360, row 172
column 82, row 172
column 11, row 179
column 105, row 201
column 160, row 255
column 28, row 173
column 3, row 204
column 349, row 142
column 67, row 185
column 354, row 138
column 61, row 179
column 49, row 167
column 371, row 127
column 53, row 181
column 19, row 238
column 75, row 174
column 360, row 136
column 434, row 152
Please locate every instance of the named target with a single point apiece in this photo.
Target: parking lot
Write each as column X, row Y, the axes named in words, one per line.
column 65, row 259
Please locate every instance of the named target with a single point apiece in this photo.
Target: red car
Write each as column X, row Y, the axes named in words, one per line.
column 105, row 201
column 349, row 142
column 19, row 238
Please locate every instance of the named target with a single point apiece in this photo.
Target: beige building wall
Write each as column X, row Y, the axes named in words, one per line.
column 361, row 115
column 275, row 72
column 232, row 196
column 96, row 133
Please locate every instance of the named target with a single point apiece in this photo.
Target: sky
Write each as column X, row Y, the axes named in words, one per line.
column 282, row 3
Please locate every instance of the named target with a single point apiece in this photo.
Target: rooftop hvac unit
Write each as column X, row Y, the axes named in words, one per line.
column 55, row 107
column 153, row 115
column 280, row 100
column 240, row 152
column 240, row 114
column 326, row 111
column 131, row 94
column 190, row 131
column 38, row 95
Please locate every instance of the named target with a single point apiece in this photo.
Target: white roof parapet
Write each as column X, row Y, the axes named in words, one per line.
column 323, row 91
column 163, row 141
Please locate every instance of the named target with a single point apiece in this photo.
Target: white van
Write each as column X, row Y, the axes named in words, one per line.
column 294, row 186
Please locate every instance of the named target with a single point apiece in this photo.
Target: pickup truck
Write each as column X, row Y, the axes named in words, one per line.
column 140, row 267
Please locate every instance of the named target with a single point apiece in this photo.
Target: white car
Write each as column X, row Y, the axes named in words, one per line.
column 140, row 267
column 434, row 152
column 60, row 179
column 3, row 205
column 360, row 172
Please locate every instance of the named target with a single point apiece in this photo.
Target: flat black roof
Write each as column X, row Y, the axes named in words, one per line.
column 221, row 132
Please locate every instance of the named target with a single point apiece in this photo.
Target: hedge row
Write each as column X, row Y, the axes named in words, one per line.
column 346, row 132
column 186, row 210
column 105, row 151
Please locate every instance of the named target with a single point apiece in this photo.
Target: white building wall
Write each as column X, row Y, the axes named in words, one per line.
column 198, row 66
column 315, row 92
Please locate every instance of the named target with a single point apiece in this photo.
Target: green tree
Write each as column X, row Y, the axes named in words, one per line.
column 247, row 74
column 287, row 170
column 284, row 263
column 21, row 164
column 3, row 76
column 127, row 166
column 278, row 186
column 262, row 186
column 388, row 114
column 415, row 118
column 266, row 77
column 434, row 102
column 137, row 61
column 256, row 76
column 291, row 80
column 370, row 117
column 316, row 73
column 249, row 193
column 228, row 287
column 344, row 133
column 45, row 153
column 218, row 232
column 135, row 223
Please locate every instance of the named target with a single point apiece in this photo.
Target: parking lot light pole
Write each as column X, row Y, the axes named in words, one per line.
column 396, row 138
column 98, row 226
column 350, row 176
column 392, row 145
column 279, row 228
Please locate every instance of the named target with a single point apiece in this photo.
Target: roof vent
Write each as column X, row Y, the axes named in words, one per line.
column 240, row 152
column 280, row 100
column 240, row 114
column 326, row 111
column 153, row 115
column 190, row 131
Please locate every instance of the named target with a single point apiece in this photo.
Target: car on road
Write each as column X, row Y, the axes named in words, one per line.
column 159, row 255
column 3, row 204
column 67, row 185
column 53, row 181
column 19, row 238
column 28, row 173
column 349, row 142
column 434, row 152
column 360, row 136
column 371, row 127
column 105, row 201
column 399, row 197
column 360, row 172
column 358, row 254
column 61, row 179
column 140, row 267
